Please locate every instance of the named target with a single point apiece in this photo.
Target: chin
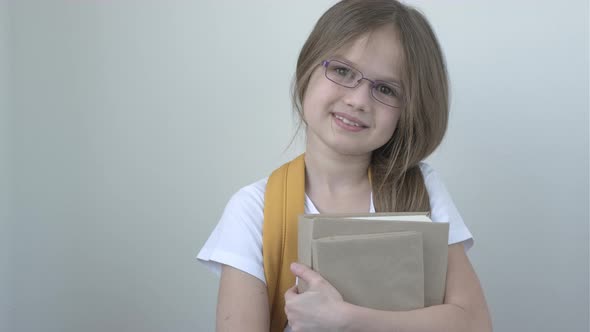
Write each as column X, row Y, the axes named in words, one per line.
column 348, row 150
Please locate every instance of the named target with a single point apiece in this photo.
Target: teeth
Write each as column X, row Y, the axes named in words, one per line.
column 347, row 121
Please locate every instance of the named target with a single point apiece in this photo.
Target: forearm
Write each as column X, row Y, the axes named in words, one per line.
column 440, row 318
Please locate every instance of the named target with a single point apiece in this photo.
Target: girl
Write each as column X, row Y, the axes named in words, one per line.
column 371, row 92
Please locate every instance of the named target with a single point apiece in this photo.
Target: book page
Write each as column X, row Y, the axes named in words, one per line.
column 395, row 218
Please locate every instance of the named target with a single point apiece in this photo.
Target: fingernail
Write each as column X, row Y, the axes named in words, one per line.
column 295, row 267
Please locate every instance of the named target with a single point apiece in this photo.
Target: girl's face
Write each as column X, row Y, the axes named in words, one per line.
column 350, row 121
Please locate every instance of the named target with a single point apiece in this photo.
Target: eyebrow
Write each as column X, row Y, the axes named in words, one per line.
column 351, row 63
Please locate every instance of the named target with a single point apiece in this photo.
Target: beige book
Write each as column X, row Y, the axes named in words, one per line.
column 391, row 260
column 434, row 244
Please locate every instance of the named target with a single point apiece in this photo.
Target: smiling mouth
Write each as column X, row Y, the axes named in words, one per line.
column 349, row 122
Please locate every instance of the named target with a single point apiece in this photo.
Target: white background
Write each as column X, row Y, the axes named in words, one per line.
column 126, row 126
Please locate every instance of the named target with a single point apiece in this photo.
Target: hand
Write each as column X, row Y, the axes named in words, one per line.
column 318, row 308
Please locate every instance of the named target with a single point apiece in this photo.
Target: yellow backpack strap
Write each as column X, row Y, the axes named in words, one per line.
column 284, row 201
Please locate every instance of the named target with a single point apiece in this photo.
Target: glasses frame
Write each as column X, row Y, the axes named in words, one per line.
column 373, row 83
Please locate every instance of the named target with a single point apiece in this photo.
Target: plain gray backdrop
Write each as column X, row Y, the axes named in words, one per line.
column 125, row 127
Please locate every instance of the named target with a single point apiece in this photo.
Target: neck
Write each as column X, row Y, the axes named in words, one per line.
column 333, row 173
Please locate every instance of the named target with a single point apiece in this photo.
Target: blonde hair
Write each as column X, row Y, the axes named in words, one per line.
column 397, row 181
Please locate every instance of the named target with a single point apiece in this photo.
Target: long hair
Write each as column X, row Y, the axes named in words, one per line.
column 397, row 181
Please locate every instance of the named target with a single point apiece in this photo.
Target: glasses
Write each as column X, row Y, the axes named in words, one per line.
column 387, row 93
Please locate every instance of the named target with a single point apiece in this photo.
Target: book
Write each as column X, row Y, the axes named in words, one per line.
column 386, row 261
column 392, row 260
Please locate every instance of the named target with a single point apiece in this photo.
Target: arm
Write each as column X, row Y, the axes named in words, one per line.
column 321, row 307
column 464, row 307
column 242, row 303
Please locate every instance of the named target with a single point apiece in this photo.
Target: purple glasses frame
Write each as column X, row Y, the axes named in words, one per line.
column 374, row 84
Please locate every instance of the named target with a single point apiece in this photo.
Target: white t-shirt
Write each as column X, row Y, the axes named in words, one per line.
column 237, row 239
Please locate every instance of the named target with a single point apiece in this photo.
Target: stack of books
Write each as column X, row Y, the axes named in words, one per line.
column 385, row 261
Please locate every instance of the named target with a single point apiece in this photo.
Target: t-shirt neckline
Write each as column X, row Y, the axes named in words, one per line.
column 311, row 209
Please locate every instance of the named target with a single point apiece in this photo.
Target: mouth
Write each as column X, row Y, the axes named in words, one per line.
column 349, row 120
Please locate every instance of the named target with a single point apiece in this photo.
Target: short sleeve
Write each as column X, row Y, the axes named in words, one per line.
column 443, row 209
column 237, row 239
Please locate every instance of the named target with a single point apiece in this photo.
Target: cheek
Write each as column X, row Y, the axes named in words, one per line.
column 390, row 121
column 317, row 99
column 319, row 90
column 307, row 104
column 309, row 98
column 389, row 126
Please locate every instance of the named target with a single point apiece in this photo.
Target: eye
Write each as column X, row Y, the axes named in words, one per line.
column 342, row 71
column 387, row 90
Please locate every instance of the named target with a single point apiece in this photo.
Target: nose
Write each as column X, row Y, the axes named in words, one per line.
column 359, row 97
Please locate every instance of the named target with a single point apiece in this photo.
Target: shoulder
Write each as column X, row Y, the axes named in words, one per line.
column 236, row 241
column 244, row 212
column 437, row 191
column 442, row 206
column 427, row 170
column 434, row 184
column 249, row 198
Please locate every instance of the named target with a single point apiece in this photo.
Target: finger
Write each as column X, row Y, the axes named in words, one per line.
column 305, row 273
column 290, row 293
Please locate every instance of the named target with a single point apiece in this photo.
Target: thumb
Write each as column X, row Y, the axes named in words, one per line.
column 304, row 272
